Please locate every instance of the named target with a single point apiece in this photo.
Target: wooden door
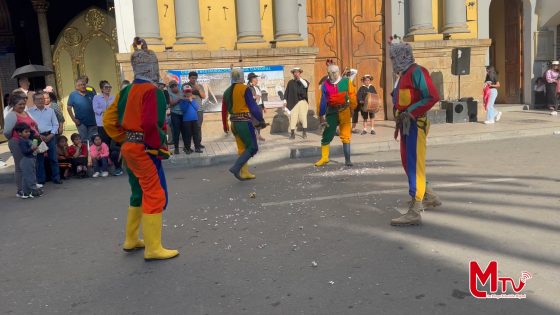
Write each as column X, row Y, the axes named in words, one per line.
column 513, row 78
column 351, row 33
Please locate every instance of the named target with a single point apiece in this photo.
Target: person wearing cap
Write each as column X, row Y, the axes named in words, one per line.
column 238, row 103
column 189, row 107
column 552, row 76
column 296, row 101
column 199, row 96
column 363, row 91
column 137, row 120
column 252, row 83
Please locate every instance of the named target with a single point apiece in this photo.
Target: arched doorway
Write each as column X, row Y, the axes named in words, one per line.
column 506, row 52
column 86, row 46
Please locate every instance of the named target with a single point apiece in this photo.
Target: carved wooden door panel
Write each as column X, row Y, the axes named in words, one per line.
column 351, row 33
column 514, row 52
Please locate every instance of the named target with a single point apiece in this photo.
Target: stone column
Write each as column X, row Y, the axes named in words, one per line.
column 286, row 21
column 420, row 12
column 146, row 21
column 248, row 21
column 41, row 7
column 455, row 17
column 187, row 21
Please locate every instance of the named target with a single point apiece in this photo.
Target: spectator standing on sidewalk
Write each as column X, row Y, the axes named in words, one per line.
column 17, row 115
column 493, row 84
column 100, row 104
column 296, row 101
column 175, row 97
column 24, row 86
column 199, row 95
column 51, row 100
column 189, row 107
column 552, row 76
column 48, row 129
column 363, row 91
column 252, row 83
column 80, row 109
column 27, row 165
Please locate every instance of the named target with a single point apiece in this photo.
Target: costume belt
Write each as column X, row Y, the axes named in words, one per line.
column 134, row 136
column 339, row 107
column 240, row 117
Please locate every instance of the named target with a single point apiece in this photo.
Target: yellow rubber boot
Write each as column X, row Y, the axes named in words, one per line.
column 151, row 227
column 131, row 240
column 244, row 173
column 324, row 156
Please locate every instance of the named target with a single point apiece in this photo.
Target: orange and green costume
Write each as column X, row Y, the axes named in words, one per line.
column 137, row 120
column 337, row 101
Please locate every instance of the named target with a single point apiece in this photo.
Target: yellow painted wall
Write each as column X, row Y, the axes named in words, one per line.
column 438, row 20
column 166, row 11
column 219, row 30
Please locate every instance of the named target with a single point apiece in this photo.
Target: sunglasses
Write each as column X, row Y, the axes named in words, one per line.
column 173, row 85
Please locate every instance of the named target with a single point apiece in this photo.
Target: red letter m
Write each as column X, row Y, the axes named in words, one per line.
column 475, row 273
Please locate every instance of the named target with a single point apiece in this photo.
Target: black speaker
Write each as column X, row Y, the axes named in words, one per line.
column 472, row 108
column 461, row 61
column 456, row 112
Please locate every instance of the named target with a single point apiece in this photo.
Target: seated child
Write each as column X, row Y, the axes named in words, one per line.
column 27, row 163
column 64, row 158
column 99, row 157
column 79, row 155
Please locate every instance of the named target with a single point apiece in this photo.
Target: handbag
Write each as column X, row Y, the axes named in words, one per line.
column 42, row 148
column 372, row 103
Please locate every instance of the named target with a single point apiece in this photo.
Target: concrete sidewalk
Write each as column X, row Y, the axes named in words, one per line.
column 514, row 124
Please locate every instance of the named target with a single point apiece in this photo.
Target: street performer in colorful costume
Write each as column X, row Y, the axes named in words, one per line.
column 239, row 104
column 338, row 101
column 137, row 120
column 413, row 96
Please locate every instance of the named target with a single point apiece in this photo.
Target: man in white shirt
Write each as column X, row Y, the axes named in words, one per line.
column 48, row 128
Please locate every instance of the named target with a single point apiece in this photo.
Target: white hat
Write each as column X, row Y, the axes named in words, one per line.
column 555, row 62
column 298, row 69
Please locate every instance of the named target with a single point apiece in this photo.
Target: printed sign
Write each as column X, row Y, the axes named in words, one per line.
column 216, row 80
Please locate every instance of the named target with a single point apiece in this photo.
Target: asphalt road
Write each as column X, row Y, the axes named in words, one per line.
column 313, row 241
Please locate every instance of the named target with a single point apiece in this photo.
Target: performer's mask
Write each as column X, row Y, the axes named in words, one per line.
column 334, row 72
column 145, row 64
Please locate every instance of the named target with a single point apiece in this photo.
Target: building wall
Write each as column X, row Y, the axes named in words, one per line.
column 303, row 57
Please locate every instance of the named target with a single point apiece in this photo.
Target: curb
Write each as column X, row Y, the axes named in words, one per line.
column 271, row 155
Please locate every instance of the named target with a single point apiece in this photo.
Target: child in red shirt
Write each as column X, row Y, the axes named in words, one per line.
column 79, row 155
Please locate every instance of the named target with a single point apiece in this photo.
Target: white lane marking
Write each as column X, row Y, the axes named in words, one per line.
column 387, row 191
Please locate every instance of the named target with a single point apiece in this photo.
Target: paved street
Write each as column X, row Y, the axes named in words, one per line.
column 313, row 241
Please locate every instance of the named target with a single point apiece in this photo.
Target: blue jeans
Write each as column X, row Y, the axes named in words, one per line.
column 101, row 165
column 53, row 161
column 491, row 111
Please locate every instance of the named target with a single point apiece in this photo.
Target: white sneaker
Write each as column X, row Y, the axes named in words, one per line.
column 96, row 174
column 489, row 122
column 499, row 116
column 554, row 113
column 3, row 164
column 39, row 185
column 104, row 174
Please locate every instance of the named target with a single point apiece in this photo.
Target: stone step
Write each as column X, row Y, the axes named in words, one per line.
column 512, row 107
